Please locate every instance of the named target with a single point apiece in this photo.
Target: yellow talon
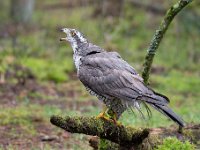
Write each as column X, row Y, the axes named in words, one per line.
column 101, row 115
column 109, row 117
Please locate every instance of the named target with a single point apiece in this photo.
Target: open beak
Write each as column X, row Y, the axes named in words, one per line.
column 63, row 39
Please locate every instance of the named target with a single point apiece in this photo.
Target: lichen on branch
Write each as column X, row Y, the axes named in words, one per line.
column 125, row 137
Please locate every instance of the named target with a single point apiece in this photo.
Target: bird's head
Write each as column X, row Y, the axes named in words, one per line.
column 73, row 36
column 78, row 41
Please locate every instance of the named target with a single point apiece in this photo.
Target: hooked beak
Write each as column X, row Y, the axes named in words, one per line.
column 63, row 39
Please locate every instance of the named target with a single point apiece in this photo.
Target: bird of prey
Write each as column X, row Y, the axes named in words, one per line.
column 112, row 80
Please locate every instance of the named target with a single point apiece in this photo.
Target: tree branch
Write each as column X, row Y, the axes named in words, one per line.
column 124, row 136
column 157, row 38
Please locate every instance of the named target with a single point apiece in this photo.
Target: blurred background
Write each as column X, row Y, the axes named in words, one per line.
column 38, row 77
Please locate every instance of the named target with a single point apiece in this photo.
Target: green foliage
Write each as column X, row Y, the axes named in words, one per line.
column 23, row 116
column 18, row 116
column 48, row 69
column 182, row 82
column 51, row 110
column 175, row 144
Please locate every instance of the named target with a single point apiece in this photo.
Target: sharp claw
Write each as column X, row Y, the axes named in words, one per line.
column 102, row 115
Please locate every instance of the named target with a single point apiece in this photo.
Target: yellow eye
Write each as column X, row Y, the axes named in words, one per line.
column 73, row 33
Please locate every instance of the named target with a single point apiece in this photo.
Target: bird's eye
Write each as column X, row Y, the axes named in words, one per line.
column 73, row 33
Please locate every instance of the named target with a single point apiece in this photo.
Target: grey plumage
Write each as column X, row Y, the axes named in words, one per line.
column 113, row 80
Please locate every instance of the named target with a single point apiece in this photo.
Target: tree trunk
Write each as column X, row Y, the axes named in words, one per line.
column 21, row 10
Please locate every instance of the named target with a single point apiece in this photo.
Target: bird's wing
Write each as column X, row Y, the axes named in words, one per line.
column 110, row 76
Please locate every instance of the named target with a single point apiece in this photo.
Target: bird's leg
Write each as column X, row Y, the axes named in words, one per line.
column 109, row 115
column 113, row 117
column 103, row 114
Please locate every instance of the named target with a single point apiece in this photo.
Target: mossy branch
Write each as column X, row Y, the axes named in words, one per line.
column 157, row 38
column 156, row 137
column 124, row 136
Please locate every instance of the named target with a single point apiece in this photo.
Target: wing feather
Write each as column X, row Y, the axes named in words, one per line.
column 110, row 76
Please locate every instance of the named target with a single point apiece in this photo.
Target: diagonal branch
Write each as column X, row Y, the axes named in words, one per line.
column 157, row 38
column 127, row 137
column 124, row 136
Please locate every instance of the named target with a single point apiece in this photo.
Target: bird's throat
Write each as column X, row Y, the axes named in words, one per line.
column 74, row 46
column 77, row 61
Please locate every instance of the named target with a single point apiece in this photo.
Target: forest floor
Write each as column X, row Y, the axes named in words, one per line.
column 25, row 110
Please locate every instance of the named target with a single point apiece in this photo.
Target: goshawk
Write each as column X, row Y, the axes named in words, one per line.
column 110, row 78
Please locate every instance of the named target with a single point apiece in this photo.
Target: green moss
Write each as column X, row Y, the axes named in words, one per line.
column 106, row 145
column 100, row 127
column 175, row 144
column 190, row 134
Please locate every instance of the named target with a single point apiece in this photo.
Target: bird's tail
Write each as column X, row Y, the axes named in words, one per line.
column 169, row 113
column 159, row 102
